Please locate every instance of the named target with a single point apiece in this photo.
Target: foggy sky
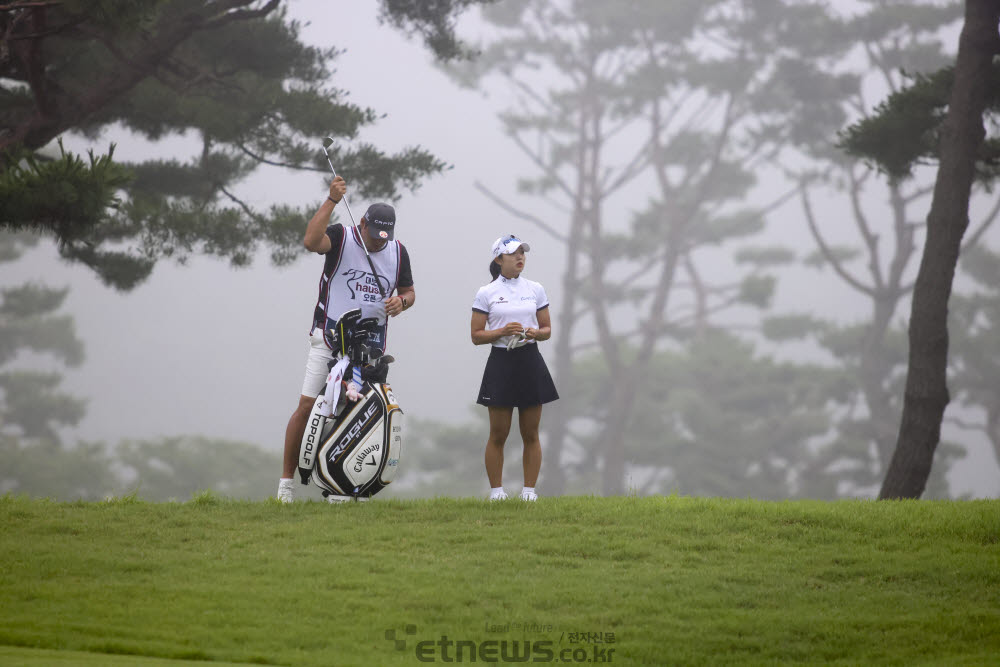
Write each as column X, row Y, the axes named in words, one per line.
column 206, row 349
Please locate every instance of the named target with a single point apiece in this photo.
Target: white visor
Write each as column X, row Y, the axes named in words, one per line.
column 508, row 245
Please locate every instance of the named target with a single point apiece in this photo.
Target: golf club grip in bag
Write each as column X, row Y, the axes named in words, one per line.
column 357, row 452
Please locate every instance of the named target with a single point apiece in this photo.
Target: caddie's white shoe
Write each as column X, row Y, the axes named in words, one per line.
column 529, row 496
column 286, row 490
column 498, row 495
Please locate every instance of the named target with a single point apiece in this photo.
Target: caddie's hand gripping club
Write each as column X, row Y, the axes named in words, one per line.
column 327, row 142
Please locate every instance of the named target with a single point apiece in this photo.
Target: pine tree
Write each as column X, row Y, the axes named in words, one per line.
column 231, row 74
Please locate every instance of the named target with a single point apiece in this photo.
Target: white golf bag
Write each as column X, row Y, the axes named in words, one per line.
column 352, row 442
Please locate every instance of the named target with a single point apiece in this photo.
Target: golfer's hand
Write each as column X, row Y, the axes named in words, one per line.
column 530, row 333
column 338, row 188
column 512, row 329
column 393, row 306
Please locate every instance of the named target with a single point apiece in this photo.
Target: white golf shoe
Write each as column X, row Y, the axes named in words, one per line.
column 498, row 495
column 529, row 496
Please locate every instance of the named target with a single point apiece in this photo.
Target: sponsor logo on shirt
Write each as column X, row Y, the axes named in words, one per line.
column 364, row 283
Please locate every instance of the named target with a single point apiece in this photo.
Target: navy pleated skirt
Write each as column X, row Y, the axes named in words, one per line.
column 517, row 378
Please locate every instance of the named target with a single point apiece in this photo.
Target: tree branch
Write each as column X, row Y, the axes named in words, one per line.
column 273, row 163
column 965, row 425
column 228, row 15
column 42, row 127
column 519, row 213
column 239, row 202
column 985, row 224
column 825, row 249
column 25, row 5
column 917, row 194
column 870, row 238
column 540, row 164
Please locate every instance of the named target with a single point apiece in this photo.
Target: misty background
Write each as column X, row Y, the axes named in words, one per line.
column 203, row 349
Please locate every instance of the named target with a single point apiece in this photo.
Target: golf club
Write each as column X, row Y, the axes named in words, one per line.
column 327, row 142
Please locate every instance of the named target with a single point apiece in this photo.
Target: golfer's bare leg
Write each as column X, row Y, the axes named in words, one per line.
column 528, row 420
column 293, row 435
column 500, row 418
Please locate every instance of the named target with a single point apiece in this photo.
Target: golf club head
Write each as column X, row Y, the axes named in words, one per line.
column 327, row 142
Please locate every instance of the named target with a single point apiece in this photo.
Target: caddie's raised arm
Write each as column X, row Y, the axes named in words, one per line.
column 316, row 239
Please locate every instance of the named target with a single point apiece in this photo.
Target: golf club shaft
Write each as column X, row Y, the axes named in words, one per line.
column 371, row 265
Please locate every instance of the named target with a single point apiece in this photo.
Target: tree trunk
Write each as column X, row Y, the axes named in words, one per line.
column 962, row 133
column 626, row 378
column 557, row 414
column 613, row 436
column 872, row 372
column 585, row 214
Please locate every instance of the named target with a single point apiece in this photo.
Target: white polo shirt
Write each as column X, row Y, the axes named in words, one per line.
column 507, row 300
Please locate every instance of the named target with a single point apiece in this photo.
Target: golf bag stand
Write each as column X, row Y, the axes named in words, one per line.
column 351, row 447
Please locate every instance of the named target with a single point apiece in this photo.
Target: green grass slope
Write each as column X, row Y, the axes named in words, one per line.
column 625, row 581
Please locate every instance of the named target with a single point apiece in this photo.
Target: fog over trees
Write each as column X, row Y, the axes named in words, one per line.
column 727, row 203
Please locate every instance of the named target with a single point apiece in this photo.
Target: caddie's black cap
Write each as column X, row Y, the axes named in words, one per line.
column 382, row 219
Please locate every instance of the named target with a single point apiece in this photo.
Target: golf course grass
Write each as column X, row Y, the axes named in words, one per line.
column 570, row 580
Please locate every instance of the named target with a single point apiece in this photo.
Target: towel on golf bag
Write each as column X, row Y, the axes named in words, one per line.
column 333, row 386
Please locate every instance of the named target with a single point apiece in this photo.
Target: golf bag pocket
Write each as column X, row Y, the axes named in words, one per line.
column 311, row 440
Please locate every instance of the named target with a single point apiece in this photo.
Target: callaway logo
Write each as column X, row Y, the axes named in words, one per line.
column 359, row 460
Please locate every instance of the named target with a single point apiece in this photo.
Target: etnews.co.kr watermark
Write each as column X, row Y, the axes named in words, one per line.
column 571, row 647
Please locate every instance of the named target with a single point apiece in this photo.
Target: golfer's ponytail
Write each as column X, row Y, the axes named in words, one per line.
column 494, row 269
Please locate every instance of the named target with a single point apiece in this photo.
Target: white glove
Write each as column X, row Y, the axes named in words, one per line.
column 516, row 340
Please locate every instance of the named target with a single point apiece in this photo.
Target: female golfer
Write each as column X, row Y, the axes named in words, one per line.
column 511, row 314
